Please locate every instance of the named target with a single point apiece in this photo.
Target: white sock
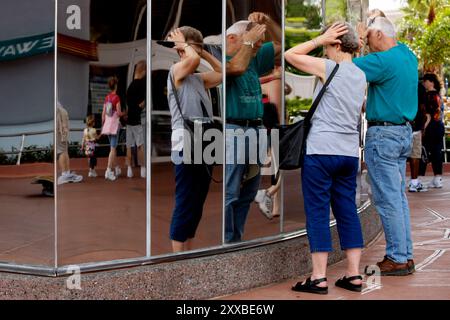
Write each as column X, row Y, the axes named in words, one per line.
column 415, row 181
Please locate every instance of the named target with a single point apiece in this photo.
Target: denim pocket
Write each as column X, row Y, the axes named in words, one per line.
column 389, row 145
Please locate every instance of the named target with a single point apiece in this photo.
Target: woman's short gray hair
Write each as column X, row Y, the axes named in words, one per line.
column 350, row 40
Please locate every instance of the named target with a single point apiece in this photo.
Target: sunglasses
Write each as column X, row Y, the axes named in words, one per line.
column 371, row 21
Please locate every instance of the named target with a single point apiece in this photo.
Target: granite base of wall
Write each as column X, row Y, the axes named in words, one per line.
column 199, row 278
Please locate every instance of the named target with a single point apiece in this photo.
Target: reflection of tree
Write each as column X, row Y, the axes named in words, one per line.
column 345, row 10
column 30, row 154
column 304, row 19
column 303, row 23
column 335, row 10
column 307, row 12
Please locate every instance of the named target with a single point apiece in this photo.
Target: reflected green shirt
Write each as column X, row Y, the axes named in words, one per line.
column 393, row 78
column 244, row 96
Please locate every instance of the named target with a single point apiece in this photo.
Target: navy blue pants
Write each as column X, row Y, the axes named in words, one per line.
column 331, row 180
column 191, row 188
column 433, row 141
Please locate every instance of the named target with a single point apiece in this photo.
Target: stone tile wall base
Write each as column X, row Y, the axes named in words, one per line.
column 200, row 278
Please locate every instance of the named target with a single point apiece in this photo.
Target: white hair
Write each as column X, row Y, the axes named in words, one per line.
column 238, row 28
column 384, row 25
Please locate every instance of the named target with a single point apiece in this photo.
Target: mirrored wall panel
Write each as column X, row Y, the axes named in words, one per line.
column 187, row 187
column 253, row 107
column 353, row 12
column 303, row 22
column 27, row 45
column 101, row 183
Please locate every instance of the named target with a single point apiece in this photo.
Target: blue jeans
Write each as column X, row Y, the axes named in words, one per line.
column 386, row 151
column 191, row 189
column 239, row 194
column 331, row 180
column 113, row 140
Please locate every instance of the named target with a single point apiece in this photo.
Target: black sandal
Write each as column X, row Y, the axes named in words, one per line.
column 345, row 283
column 310, row 286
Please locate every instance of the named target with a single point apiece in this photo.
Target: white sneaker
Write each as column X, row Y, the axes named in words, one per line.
column 265, row 203
column 130, row 172
column 419, row 187
column 69, row 178
column 436, row 183
column 260, row 195
column 143, row 172
column 118, row 171
column 109, row 175
column 92, row 173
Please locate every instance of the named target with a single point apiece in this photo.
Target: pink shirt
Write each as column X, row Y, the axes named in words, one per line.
column 111, row 123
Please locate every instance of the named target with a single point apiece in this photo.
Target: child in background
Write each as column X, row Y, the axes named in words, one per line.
column 88, row 144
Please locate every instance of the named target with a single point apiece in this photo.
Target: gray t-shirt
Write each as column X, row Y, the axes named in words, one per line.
column 190, row 94
column 334, row 129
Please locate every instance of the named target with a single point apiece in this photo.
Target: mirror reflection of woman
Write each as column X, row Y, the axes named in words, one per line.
column 191, row 180
column 111, row 114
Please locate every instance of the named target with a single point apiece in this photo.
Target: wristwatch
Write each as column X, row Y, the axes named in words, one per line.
column 249, row 43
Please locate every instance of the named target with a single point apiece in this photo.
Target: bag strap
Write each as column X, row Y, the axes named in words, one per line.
column 205, row 114
column 175, row 93
column 177, row 99
column 320, row 95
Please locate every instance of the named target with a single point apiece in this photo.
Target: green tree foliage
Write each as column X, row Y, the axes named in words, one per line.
column 426, row 29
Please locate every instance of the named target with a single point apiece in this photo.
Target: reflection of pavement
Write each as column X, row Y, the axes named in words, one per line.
column 26, row 223
column 100, row 220
column 430, row 219
column 210, row 229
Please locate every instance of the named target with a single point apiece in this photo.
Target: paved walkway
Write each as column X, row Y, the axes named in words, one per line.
column 430, row 219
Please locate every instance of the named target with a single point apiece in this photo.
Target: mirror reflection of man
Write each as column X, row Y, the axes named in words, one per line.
column 62, row 147
column 248, row 58
column 136, row 95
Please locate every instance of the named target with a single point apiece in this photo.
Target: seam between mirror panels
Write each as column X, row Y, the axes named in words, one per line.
column 148, row 127
column 55, row 159
column 224, row 112
column 283, row 103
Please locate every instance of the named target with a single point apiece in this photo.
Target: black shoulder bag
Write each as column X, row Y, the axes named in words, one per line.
column 196, row 129
column 292, row 138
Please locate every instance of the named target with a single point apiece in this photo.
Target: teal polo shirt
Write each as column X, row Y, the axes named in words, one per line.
column 244, row 96
column 393, row 78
